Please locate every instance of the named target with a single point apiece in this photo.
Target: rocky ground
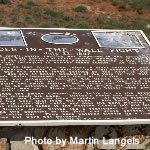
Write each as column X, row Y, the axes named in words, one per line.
column 13, row 138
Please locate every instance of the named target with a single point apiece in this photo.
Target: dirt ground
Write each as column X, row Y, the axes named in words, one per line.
column 95, row 8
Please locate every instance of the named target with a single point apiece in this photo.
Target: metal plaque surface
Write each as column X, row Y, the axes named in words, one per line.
column 95, row 77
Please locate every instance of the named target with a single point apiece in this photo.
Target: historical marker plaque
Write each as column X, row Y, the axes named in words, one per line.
column 68, row 77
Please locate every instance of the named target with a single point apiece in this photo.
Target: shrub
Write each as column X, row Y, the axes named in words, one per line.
column 20, row 5
column 67, row 18
column 141, row 24
column 5, row 23
column 102, row 19
column 69, row 26
column 30, row 19
column 115, row 2
column 52, row 1
column 36, row 12
column 20, row 21
column 83, row 25
column 16, row 14
column 124, row 19
column 85, row 17
column 138, row 5
column 30, row 4
column 81, row 8
column 5, row 1
column 52, row 12
column 115, row 24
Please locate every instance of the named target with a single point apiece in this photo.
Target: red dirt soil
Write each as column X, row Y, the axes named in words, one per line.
column 67, row 6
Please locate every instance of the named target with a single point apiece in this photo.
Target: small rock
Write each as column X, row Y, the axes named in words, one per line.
column 20, row 145
column 101, row 145
column 105, row 131
column 68, row 146
column 89, row 147
column 88, row 7
column 132, row 130
column 134, row 146
column 148, row 26
column 3, row 144
column 54, row 132
column 52, row 146
column 146, row 143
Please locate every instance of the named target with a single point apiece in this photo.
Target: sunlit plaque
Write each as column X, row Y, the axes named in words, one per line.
column 74, row 77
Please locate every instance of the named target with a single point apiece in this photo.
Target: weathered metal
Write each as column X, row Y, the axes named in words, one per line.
column 56, row 82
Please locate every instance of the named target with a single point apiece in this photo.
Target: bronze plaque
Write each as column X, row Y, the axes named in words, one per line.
column 74, row 77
